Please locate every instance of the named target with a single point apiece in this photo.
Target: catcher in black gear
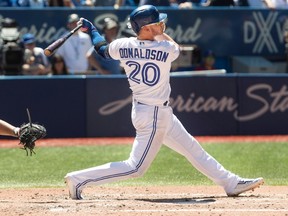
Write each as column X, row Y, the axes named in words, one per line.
column 28, row 133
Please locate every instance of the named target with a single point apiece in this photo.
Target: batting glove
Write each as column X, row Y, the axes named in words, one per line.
column 90, row 29
column 87, row 26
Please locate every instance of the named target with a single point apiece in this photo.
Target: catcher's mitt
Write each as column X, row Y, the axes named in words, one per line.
column 29, row 133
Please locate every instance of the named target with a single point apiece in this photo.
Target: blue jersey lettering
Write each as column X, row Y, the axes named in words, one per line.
column 148, row 54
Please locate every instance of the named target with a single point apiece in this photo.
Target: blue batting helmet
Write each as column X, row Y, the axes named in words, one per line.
column 145, row 15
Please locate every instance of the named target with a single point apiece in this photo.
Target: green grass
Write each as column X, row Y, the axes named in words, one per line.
column 50, row 164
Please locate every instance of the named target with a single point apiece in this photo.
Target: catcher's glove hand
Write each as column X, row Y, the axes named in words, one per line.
column 29, row 133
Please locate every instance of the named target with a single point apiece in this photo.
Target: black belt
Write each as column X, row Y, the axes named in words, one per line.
column 164, row 104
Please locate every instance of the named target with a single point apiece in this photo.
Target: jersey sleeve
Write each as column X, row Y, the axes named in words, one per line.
column 174, row 50
column 114, row 47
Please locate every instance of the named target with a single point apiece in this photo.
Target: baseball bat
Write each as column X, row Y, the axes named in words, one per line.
column 59, row 42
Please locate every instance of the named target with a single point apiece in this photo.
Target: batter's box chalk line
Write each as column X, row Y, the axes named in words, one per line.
column 179, row 200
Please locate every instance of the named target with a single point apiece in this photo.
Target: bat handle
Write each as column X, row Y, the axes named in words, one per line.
column 76, row 29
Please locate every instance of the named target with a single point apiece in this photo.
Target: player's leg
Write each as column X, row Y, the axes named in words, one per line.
column 150, row 124
column 182, row 142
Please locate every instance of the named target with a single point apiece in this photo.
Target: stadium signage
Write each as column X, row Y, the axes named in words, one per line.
column 263, row 26
column 273, row 101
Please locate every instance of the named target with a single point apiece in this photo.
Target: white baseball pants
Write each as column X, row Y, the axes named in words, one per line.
column 156, row 125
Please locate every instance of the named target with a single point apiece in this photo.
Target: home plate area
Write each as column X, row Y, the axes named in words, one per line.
column 140, row 201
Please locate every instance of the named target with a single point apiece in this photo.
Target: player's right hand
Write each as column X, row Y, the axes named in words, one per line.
column 87, row 26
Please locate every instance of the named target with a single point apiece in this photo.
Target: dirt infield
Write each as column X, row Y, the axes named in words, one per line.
column 143, row 201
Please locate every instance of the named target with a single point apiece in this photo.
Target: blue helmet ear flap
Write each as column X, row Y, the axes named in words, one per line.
column 132, row 24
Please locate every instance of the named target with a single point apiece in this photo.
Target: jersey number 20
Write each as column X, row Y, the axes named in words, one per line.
column 149, row 73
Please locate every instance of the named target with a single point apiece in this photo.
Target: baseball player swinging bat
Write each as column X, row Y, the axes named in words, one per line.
column 56, row 44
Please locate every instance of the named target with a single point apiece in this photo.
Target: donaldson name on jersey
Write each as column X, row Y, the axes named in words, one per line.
column 149, row 54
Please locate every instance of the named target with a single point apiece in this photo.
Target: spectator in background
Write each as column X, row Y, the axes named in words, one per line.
column 58, row 66
column 112, row 3
column 276, row 4
column 104, row 66
column 157, row 3
column 252, row 3
column 9, row 3
column 35, row 62
column 197, row 2
column 272, row 4
column 33, row 3
column 241, row 3
column 58, row 3
column 131, row 3
column 214, row 3
column 208, row 61
column 74, row 50
column 79, row 3
column 167, row 3
column 180, row 4
column 256, row 3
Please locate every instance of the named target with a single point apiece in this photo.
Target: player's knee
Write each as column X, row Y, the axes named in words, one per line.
column 138, row 173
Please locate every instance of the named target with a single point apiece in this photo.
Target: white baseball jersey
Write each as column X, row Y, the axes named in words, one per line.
column 144, row 63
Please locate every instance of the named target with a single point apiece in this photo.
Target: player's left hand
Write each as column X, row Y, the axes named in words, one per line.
column 87, row 26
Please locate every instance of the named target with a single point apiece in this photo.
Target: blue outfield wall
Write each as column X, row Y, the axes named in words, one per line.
column 59, row 104
column 99, row 106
